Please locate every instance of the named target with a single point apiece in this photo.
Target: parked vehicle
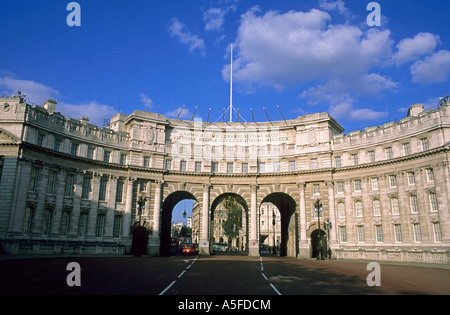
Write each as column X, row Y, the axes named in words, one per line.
column 189, row 249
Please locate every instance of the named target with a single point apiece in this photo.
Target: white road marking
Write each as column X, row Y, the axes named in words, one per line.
column 164, row 291
column 273, row 287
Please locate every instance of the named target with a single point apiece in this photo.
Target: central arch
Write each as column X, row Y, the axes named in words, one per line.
column 166, row 218
column 244, row 205
column 289, row 229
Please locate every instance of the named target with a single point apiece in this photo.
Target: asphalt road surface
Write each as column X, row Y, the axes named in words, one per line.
column 214, row 275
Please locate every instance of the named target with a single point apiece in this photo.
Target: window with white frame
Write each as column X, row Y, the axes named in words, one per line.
column 359, row 208
column 168, row 164
column 117, row 225
column 374, row 183
column 398, row 233
column 100, row 225
column 417, row 233
column 146, row 161
column 411, row 178
column 430, row 174
column 123, row 159
column 340, row 187
column 433, row 201
column 357, row 184
column 379, row 233
column 244, row 168
column 354, row 158
column 406, row 148
column 389, row 154
column 376, row 204
column 291, row 166
column 341, row 209
column 343, row 234
column 182, row 165
column 313, row 164
column 392, row 181
column 338, row 161
column 316, row 189
column 198, row 167
column 437, row 231
column 413, row 204
column 394, row 206
column 424, row 142
column 360, row 233
column 371, row 156
column 276, row 167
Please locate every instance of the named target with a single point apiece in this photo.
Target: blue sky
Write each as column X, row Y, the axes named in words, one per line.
column 304, row 56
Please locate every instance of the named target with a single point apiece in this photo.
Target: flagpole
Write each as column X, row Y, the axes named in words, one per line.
column 231, row 85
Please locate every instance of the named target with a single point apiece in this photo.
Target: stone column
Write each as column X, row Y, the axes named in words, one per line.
column 253, row 240
column 204, row 228
column 93, row 209
column 111, row 205
column 128, row 205
column 75, row 216
column 303, row 246
column 154, row 241
column 331, row 212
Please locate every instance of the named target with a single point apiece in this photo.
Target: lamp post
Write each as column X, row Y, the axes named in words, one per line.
column 328, row 226
column 140, row 207
column 318, row 209
column 274, row 250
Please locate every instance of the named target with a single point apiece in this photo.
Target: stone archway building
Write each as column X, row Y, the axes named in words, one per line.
column 68, row 186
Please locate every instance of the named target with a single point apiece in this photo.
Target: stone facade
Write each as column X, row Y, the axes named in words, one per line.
column 68, row 186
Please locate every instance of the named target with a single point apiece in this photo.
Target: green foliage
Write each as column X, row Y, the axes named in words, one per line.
column 233, row 223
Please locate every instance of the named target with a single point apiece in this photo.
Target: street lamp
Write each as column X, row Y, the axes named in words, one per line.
column 140, row 207
column 274, row 250
column 328, row 226
column 318, row 209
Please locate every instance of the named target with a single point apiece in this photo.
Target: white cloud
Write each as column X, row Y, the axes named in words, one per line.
column 410, row 49
column 178, row 29
column 214, row 18
column 93, row 110
column 148, row 102
column 36, row 92
column 283, row 49
column 434, row 68
column 334, row 5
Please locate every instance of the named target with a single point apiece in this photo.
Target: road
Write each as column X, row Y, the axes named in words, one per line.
column 216, row 275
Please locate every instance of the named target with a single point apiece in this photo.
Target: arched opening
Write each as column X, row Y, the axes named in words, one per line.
column 318, row 243
column 223, row 220
column 166, row 219
column 289, row 228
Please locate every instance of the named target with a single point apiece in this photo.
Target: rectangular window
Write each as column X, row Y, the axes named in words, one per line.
column 51, row 183
column 230, row 168
column 417, row 233
column 117, row 226
column 102, row 191
column 343, row 234
column 398, row 233
column 433, row 202
column 106, row 156
column 214, row 167
column 34, row 178
column 357, row 184
column 379, row 233
column 86, row 187
column 65, row 219
column 341, row 210
column 74, row 149
column 261, row 167
column 57, row 144
column 406, row 148
column 183, row 166
column 168, row 164
column 47, row 221
column 146, row 161
column 374, row 183
column 276, row 167
column 376, row 204
column 313, row 164
column 413, row 204
column 316, row 189
column 340, row 187
column 123, row 159
column 358, row 209
column 411, row 178
column 82, row 224
column 430, row 174
column 437, row 231
column 394, row 206
column 424, row 142
column 119, row 191
column 90, row 153
column 69, row 185
column 371, row 156
column 360, row 233
column 392, row 181
column 355, row 159
column 99, row 227
column 291, row 166
column 389, row 154
column 245, row 168
column 338, row 161
column 40, row 139
column 28, row 221
column 198, row 167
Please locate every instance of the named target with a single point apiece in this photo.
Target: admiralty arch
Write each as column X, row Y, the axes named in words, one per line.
column 71, row 187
